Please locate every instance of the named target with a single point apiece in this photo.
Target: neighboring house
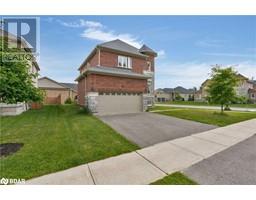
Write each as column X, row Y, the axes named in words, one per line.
column 198, row 96
column 185, row 94
column 55, row 92
column 245, row 88
column 162, row 95
column 244, row 85
column 201, row 94
column 12, row 41
column 172, row 94
column 252, row 92
column 117, row 78
column 252, row 95
column 19, row 107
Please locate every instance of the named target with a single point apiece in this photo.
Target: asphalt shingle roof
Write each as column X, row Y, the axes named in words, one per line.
column 146, row 49
column 178, row 89
column 121, row 46
column 116, row 71
column 72, row 86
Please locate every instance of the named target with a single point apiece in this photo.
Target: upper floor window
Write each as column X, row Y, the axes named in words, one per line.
column 124, row 62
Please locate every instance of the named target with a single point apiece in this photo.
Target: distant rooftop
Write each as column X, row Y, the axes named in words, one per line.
column 70, row 85
column 178, row 89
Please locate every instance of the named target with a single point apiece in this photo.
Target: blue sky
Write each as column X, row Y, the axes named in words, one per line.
column 187, row 45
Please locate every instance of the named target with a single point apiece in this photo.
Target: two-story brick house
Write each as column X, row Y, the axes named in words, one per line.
column 117, row 78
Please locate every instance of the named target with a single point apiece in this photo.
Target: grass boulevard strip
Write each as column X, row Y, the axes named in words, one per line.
column 194, row 103
column 213, row 117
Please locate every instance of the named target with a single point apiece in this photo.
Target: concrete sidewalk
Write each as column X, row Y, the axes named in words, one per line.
column 152, row 163
column 207, row 107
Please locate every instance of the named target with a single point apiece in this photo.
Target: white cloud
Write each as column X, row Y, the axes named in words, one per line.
column 190, row 74
column 80, row 24
column 96, row 31
column 91, row 24
column 161, row 54
column 100, row 34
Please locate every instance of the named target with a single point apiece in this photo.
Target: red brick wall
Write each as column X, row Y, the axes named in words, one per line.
column 81, row 91
column 93, row 61
column 109, row 59
column 103, row 83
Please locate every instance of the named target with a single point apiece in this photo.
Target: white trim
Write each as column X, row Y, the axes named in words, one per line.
column 98, row 56
column 124, row 60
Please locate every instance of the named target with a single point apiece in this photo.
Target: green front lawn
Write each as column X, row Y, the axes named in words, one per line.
column 206, row 116
column 176, row 178
column 56, row 138
column 195, row 103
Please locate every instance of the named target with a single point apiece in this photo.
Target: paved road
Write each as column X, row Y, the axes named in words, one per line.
column 146, row 129
column 236, row 165
column 207, row 107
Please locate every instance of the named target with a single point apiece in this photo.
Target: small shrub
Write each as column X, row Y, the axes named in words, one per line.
column 68, row 101
column 240, row 100
column 250, row 101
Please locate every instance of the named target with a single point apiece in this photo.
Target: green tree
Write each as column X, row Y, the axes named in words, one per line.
column 221, row 88
column 16, row 84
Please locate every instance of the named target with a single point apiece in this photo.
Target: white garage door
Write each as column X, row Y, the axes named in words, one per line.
column 108, row 104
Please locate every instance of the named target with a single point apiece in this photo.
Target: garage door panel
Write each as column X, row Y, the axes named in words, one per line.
column 118, row 104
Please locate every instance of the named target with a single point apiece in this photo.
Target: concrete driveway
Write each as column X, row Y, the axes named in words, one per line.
column 236, row 165
column 146, row 129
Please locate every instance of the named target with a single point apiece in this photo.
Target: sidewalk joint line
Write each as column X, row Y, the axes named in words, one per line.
column 152, row 163
column 170, row 143
column 91, row 174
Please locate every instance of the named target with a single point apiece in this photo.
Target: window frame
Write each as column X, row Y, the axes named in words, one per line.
column 126, row 62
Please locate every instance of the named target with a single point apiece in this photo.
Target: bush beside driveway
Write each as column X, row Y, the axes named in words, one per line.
column 57, row 138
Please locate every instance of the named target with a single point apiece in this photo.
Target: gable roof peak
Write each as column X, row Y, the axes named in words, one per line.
column 119, row 45
column 146, row 49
